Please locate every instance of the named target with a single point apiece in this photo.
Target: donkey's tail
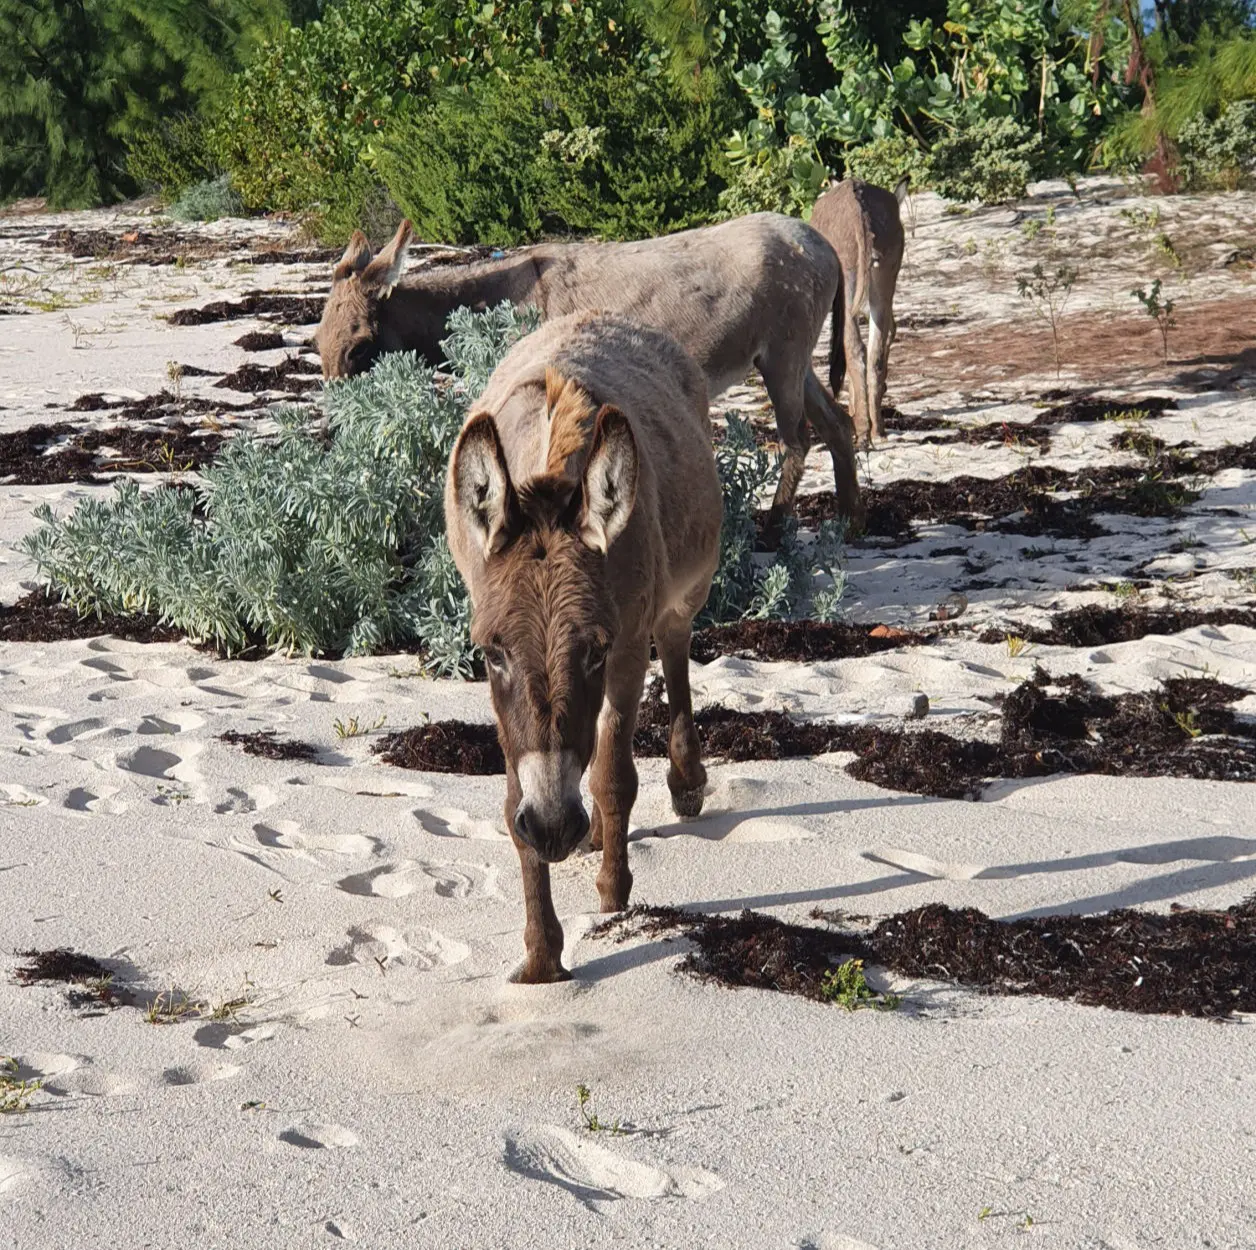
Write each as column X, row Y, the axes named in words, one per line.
column 837, row 347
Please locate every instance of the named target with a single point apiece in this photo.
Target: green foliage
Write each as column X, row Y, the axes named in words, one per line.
column 301, row 128
column 846, row 986
column 1043, row 68
column 783, row 588
column 1160, row 312
column 305, row 543
column 883, row 162
column 1047, row 291
column 208, row 201
column 81, row 79
column 1221, row 153
column 174, row 155
column 990, row 160
column 1193, row 86
column 622, row 154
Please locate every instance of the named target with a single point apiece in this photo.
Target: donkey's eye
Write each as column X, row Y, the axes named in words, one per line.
column 496, row 658
column 595, row 658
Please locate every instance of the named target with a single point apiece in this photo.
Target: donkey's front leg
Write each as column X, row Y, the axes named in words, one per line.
column 542, row 933
column 613, row 779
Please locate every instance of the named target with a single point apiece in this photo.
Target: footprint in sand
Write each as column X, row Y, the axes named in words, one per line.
column 449, row 880
column 379, row 944
column 232, row 1036
column 241, row 802
column 20, row 796
column 169, row 722
column 98, row 802
column 314, row 1135
column 69, row 1074
column 200, row 1073
column 18, row 1171
column 59, row 735
column 286, row 835
column 594, row 1173
column 453, row 822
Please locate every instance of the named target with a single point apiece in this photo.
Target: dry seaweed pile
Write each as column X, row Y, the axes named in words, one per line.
column 807, row 641
column 89, row 983
column 1024, row 502
column 267, row 744
column 268, row 305
column 1093, row 625
column 1196, row 963
column 450, row 746
column 66, row 452
column 37, row 617
column 290, row 375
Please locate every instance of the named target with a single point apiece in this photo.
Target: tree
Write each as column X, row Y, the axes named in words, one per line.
column 79, row 77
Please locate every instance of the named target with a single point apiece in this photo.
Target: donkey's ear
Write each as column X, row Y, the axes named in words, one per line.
column 356, row 258
column 383, row 272
column 483, row 495
column 610, row 480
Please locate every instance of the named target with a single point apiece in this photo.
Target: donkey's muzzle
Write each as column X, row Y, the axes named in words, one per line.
column 552, row 835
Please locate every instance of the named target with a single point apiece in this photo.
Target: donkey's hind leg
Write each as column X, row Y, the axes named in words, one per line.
column 785, row 390
column 835, row 430
column 857, row 355
column 686, row 777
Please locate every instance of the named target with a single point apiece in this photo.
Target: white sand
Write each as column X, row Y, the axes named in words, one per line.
column 387, row 1086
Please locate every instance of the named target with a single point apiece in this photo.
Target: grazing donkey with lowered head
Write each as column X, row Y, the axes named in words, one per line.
column 747, row 293
column 863, row 226
column 583, row 510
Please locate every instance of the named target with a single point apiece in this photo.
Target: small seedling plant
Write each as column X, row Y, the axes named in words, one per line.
column 1160, row 311
column 584, row 1100
column 1048, row 292
column 846, row 986
column 15, row 1094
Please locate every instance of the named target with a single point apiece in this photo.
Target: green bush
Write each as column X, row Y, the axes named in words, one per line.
column 991, row 160
column 174, row 155
column 306, row 543
column 301, row 127
column 624, row 154
column 1219, row 153
column 884, row 161
column 208, row 201
column 786, row 586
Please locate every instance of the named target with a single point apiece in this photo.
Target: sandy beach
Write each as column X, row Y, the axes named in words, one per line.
column 321, row 1044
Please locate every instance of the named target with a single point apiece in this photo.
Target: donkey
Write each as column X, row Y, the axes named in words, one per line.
column 750, row 292
column 583, row 511
column 863, row 226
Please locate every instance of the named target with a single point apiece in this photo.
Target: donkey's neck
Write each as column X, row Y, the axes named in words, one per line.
column 413, row 318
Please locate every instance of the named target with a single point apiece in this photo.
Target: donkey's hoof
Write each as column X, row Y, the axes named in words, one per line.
column 540, row 972
column 688, row 803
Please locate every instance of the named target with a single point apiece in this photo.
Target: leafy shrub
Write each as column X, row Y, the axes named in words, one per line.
column 990, row 160
column 1221, row 152
column 785, row 587
column 208, row 201
column 300, row 130
column 624, row 154
column 305, row 543
column 884, row 161
column 174, row 155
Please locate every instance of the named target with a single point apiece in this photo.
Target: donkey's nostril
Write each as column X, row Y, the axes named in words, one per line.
column 521, row 825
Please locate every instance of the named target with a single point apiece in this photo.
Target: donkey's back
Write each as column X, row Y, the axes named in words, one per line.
column 730, row 294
